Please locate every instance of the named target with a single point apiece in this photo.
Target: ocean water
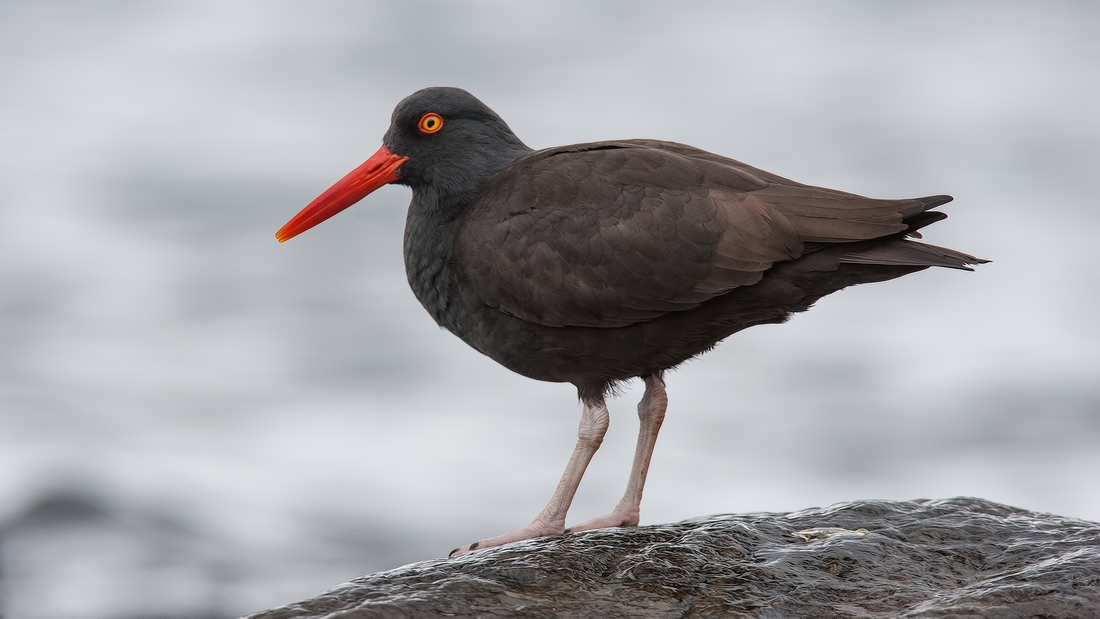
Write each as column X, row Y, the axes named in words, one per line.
column 197, row 421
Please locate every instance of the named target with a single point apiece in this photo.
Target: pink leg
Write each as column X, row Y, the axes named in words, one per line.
column 651, row 413
column 551, row 521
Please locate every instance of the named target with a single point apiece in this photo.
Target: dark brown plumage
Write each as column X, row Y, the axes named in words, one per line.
column 596, row 263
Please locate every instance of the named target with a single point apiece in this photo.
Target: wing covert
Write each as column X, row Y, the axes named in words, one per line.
column 613, row 236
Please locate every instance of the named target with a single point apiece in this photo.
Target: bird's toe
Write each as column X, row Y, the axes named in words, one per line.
column 618, row 518
column 531, row 531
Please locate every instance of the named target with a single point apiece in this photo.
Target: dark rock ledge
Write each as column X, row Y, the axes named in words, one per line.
column 958, row 558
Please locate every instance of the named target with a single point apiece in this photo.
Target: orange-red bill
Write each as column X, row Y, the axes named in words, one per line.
column 380, row 169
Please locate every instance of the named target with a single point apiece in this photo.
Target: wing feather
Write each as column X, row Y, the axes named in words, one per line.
column 613, row 233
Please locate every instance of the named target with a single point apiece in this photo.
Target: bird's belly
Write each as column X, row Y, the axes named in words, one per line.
column 594, row 358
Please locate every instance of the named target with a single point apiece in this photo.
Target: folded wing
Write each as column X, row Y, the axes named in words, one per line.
column 612, row 233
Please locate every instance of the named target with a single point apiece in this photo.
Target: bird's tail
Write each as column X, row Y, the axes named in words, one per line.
column 900, row 251
column 903, row 252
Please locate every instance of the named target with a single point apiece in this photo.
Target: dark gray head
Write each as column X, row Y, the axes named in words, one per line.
column 442, row 142
column 453, row 141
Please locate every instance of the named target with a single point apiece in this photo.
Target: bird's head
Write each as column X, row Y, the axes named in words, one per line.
column 442, row 141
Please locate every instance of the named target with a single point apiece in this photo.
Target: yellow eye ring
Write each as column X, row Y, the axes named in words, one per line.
column 430, row 123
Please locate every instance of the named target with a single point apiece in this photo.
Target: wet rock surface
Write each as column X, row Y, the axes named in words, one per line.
column 958, row 558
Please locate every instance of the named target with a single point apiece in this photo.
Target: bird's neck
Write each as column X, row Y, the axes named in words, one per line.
column 430, row 230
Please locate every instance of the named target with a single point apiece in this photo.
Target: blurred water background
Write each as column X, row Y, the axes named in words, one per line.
column 196, row 421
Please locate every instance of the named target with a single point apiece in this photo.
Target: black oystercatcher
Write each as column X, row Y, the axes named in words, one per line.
column 596, row 263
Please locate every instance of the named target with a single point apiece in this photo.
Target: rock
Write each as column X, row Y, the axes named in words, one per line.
column 959, row 558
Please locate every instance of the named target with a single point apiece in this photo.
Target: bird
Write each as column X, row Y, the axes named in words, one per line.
column 601, row 262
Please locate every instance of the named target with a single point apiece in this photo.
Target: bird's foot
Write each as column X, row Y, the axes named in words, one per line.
column 537, row 528
column 621, row 517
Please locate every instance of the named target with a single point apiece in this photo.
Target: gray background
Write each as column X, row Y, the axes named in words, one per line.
column 198, row 421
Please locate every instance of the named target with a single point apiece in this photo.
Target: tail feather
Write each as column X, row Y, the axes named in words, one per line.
column 934, row 201
column 925, row 217
column 902, row 252
column 920, row 220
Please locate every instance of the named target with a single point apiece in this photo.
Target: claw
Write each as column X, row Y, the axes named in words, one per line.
column 461, row 550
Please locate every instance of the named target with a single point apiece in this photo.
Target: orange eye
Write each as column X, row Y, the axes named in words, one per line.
column 430, row 123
